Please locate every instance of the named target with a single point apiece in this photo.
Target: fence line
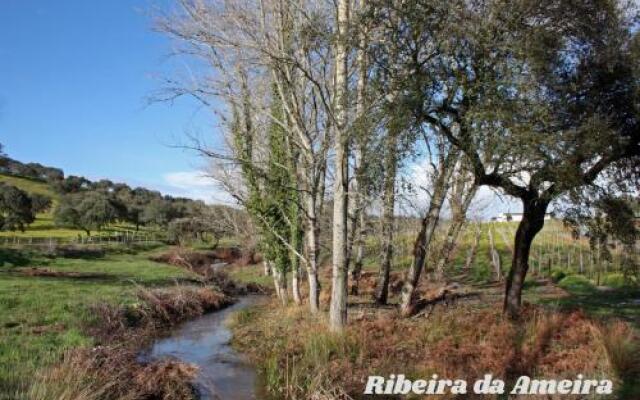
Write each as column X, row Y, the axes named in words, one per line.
column 103, row 238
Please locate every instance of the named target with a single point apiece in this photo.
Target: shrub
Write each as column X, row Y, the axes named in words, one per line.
column 622, row 346
column 615, row 280
column 557, row 275
column 576, row 284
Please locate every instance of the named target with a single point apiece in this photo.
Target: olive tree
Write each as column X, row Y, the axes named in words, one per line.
column 540, row 96
column 16, row 209
column 87, row 211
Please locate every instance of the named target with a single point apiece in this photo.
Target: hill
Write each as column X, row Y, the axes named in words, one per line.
column 29, row 185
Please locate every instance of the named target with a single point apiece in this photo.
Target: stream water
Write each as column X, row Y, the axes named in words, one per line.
column 223, row 372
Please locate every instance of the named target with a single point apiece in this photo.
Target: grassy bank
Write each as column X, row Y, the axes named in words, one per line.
column 43, row 310
column 570, row 327
column 299, row 358
column 112, row 370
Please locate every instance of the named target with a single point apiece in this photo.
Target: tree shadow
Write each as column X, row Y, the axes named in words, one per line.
column 619, row 303
column 14, row 257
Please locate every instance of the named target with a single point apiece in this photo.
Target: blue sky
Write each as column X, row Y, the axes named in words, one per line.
column 75, row 76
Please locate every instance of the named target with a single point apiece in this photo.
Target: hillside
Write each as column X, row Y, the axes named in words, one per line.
column 44, row 226
column 29, row 185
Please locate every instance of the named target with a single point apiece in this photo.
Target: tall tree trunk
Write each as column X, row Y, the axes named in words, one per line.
column 315, row 201
column 297, row 244
column 338, row 307
column 311, row 196
column 532, row 222
column 356, row 271
column 428, row 226
column 359, row 192
column 312, row 254
column 389, row 197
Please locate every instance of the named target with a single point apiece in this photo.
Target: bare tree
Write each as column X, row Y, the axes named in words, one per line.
column 282, row 44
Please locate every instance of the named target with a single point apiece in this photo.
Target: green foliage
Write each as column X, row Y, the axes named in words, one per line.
column 29, row 170
column 202, row 227
column 40, row 203
column 87, row 211
column 272, row 199
column 41, row 317
column 158, row 212
column 71, row 184
column 617, row 281
column 16, row 209
column 604, row 218
column 557, row 275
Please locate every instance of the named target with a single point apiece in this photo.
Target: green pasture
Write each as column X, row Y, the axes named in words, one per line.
column 41, row 317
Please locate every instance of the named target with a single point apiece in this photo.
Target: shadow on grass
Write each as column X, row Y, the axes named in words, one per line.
column 79, row 252
column 620, row 303
column 119, row 280
column 14, row 257
column 66, row 275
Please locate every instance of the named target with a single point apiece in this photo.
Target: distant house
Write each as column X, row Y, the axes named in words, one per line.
column 517, row 217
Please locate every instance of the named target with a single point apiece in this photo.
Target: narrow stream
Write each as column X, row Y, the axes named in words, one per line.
column 223, row 372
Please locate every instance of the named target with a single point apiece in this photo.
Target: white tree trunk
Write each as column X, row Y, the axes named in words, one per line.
column 338, row 307
column 295, row 284
column 358, row 194
column 312, row 254
column 267, row 268
column 280, row 282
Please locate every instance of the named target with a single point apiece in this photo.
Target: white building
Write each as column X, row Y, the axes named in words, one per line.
column 517, row 217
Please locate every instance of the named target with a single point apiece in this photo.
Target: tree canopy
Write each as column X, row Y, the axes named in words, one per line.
column 16, row 209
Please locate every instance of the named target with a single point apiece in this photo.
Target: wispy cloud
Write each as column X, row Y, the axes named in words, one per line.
column 487, row 202
column 195, row 185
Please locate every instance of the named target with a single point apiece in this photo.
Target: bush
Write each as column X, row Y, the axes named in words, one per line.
column 615, row 280
column 557, row 275
column 576, row 284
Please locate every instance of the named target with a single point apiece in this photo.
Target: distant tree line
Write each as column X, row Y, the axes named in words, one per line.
column 90, row 206
column 37, row 171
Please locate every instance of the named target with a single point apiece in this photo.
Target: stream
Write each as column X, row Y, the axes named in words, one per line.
column 223, row 372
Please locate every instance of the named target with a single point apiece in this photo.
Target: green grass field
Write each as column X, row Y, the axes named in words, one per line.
column 41, row 317
column 29, row 185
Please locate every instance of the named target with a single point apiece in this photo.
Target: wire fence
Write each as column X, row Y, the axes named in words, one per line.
column 554, row 249
column 98, row 239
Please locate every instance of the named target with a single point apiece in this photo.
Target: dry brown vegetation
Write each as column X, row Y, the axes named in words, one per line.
column 113, row 373
column 301, row 359
column 111, row 369
column 201, row 261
